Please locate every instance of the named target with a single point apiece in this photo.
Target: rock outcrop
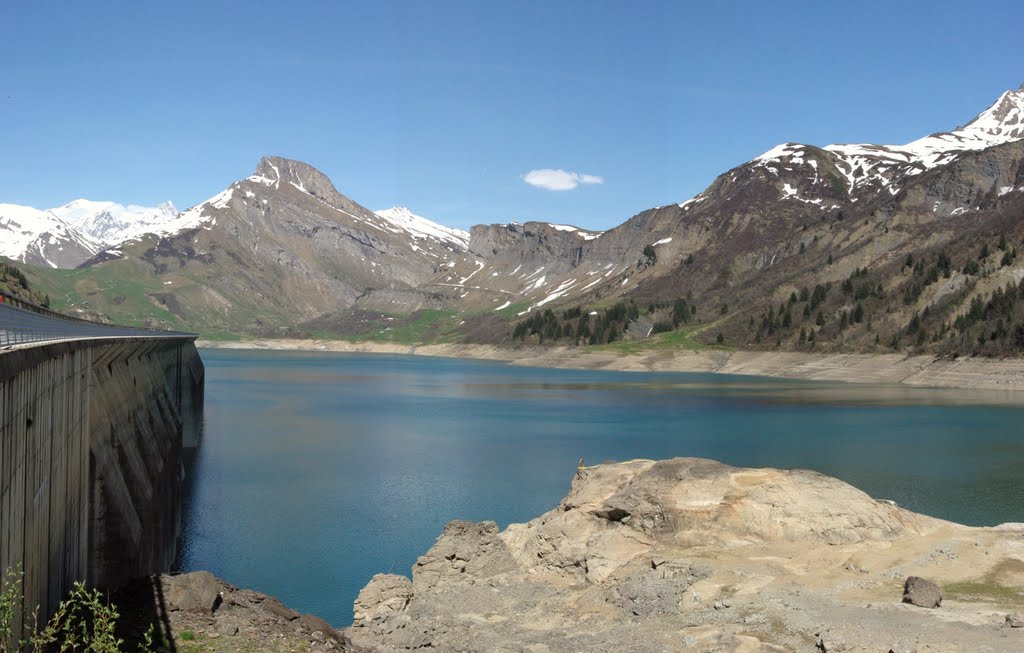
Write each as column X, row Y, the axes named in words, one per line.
column 199, row 612
column 690, row 554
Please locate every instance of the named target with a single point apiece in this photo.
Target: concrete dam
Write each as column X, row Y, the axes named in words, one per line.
column 94, row 422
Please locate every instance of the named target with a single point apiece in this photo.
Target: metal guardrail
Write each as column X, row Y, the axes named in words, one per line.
column 23, row 323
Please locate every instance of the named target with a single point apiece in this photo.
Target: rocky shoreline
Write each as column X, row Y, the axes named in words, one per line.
column 986, row 374
column 676, row 555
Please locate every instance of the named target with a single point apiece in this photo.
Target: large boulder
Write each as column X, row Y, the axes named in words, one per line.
column 196, row 591
column 922, row 593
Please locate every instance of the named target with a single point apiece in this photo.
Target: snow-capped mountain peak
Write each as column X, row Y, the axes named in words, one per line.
column 111, row 223
column 866, row 165
column 1003, row 121
column 42, row 238
column 66, row 236
column 419, row 227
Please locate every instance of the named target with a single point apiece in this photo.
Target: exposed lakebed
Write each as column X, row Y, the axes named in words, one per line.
column 318, row 470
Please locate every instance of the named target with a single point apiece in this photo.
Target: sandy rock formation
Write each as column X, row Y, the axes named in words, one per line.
column 690, row 554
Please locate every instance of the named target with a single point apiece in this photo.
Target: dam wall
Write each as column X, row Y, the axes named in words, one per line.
column 92, row 434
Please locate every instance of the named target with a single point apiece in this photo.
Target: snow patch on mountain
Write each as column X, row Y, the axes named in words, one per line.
column 196, row 216
column 690, row 202
column 419, row 227
column 586, row 235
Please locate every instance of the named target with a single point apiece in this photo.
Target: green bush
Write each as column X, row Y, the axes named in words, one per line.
column 650, row 256
column 662, row 326
column 82, row 622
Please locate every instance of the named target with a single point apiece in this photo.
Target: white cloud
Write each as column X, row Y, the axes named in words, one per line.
column 549, row 179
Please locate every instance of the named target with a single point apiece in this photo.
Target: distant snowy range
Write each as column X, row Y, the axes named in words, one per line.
column 68, row 235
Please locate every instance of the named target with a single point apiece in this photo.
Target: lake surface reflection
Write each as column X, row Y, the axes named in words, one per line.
column 318, row 470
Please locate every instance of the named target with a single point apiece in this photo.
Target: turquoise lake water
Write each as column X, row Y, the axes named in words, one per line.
column 318, row 470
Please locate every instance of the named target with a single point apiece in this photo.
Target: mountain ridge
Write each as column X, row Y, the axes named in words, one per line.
column 1002, row 122
column 766, row 231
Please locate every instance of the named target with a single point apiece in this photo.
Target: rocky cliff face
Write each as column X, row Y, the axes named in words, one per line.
column 692, row 554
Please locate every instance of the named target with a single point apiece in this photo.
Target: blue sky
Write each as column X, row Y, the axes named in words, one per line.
column 445, row 107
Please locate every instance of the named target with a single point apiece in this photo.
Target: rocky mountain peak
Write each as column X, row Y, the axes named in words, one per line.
column 278, row 170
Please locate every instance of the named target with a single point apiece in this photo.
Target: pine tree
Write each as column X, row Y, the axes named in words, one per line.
column 858, row 313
